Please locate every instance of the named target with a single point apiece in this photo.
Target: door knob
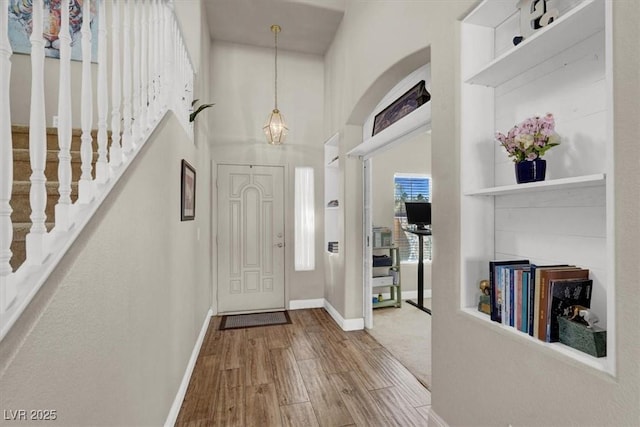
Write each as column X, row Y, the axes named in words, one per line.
column 279, row 245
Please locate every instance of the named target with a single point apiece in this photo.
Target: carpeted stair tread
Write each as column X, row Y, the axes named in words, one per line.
column 22, row 165
column 22, row 207
column 20, row 138
column 20, row 203
column 23, row 187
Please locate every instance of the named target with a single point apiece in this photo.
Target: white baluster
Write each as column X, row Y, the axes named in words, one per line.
column 102, row 165
column 137, row 50
column 162, row 53
column 127, row 110
column 150, row 59
column 7, row 288
column 37, row 142
column 86, row 184
column 168, row 83
column 63, row 220
column 144, row 74
column 157, row 41
column 115, row 152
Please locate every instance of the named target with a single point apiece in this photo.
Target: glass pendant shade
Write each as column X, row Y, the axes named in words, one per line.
column 275, row 129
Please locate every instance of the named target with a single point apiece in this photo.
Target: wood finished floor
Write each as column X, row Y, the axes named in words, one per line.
column 308, row 373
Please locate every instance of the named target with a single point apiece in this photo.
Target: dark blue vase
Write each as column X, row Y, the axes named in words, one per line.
column 530, row 170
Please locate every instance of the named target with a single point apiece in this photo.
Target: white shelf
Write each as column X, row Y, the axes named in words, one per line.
column 555, row 184
column 576, row 25
column 332, row 208
column 490, row 13
column 384, row 286
column 599, row 363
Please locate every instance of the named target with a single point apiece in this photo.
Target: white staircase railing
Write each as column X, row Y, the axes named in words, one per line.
column 147, row 80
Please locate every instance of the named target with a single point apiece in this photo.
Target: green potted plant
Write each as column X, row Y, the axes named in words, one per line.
column 197, row 111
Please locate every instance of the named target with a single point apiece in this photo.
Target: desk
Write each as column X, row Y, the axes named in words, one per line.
column 420, row 302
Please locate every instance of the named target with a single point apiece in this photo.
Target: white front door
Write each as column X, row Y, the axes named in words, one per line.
column 250, row 238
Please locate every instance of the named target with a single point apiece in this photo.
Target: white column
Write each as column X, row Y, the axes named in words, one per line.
column 102, row 165
column 127, row 108
column 115, row 153
column 7, row 289
column 63, row 219
column 86, row 184
column 137, row 50
column 37, row 142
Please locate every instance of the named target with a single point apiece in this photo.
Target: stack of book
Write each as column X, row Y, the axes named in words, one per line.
column 333, row 247
column 530, row 297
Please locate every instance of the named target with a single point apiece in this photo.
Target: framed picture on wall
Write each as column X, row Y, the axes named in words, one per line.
column 407, row 103
column 188, row 192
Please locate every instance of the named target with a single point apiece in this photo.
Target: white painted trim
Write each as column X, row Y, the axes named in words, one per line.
column 435, row 420
column 299, row 304
column 355, row 324
column 177, row 402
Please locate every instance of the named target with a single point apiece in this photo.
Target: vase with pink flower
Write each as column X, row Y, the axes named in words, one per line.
column 526, row 143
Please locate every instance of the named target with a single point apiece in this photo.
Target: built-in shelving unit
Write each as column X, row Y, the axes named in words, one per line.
column 564, row 69
column 331, row 193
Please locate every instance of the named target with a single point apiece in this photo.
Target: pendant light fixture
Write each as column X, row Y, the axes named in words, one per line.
column 275, row 129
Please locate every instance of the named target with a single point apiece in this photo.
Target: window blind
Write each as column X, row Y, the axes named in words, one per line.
column 409, row 188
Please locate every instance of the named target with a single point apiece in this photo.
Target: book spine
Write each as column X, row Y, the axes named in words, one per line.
column 536, row 302
column 525, row 301
column 493, row 293
column 512, row 295
column 541, row 331
column 518, row 298
column 505, row 296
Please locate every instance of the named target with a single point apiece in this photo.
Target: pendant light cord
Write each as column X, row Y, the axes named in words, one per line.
column 276, row 67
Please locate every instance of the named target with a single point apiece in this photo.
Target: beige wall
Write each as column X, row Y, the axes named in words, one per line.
column 356, row 79
column 473, row 367
column 108, row 338
column 242, row 88
column 401, row 158
column 20, row 90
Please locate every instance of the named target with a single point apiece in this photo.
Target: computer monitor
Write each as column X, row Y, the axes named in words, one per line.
column 418, row 213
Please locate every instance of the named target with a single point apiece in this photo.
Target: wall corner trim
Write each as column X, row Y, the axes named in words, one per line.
column 182, row 390
column 355, row 324
column 435, row 420
column 306, row 303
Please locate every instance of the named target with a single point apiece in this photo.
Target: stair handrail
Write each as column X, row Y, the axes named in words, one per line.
column 152, row 78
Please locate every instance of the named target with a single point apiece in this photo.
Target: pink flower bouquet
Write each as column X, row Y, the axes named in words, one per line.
column 530, row 139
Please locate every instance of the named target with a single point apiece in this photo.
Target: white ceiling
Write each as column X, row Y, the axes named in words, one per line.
column 308, row 26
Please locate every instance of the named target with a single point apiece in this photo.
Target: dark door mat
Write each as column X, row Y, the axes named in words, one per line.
column 240, row 321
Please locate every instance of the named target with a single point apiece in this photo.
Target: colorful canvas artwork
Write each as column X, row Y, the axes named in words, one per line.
column 20, row 24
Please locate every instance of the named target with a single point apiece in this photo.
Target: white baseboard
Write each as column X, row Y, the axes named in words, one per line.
column 177, row 402
column 435, row 420
column 306, row 303
column 346, row 324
